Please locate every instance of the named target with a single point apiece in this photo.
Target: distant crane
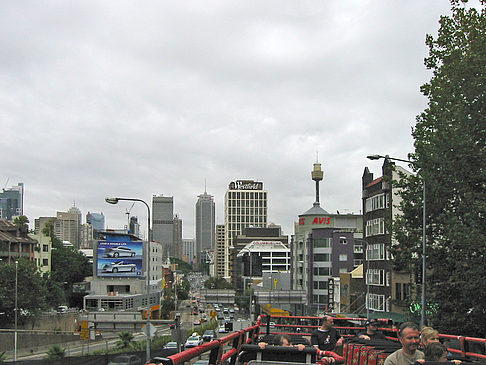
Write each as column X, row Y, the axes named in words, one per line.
column 6, row 182
column 127, row 212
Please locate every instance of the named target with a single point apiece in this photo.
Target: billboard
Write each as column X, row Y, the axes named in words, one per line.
column 119, row 258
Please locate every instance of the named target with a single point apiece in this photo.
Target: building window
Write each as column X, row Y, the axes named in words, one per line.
column 322, row 243
column 375, row 252
column 375, row 277
column 45, row 262
column 45, row 248
column 343, row 240
column 343, row 257
column 343, row 270
column 376, row 302
column 322, row 284
column 320, row 257
column 375, row 227
column 376, row 202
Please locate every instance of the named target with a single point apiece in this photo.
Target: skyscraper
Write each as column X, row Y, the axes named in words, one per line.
column 97, row 221
column 245, row 206
column 177, row 246
column 12, row 202
column 219, row 252
column 163, row 222
column 205, row 224
column 67, row 226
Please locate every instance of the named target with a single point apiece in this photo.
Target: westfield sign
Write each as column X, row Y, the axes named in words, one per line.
column 316, row 220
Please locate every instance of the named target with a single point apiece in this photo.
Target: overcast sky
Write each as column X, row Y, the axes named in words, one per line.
column 137, row 98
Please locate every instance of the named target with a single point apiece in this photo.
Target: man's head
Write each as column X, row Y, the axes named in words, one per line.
column 408, row 335
column 371, row 326
column 429, row 336
column 327, row 322
column 436, row 352
column 281, row 340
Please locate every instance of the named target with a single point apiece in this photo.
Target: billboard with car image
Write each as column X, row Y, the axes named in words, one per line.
column 119, row 258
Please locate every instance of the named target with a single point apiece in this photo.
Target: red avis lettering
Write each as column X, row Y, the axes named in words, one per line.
column 321, row 220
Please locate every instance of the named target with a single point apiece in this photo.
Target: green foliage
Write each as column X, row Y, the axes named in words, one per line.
column 217, row 283
column 167, row 304
column 125, row 339
column 450, row 155
column 31, row 291
column 56, row 352
column 181, row 265
column 22, row 222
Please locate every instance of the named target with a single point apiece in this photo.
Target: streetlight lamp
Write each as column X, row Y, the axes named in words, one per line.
column 147, row 324
column 377, row 157
column 366, row 277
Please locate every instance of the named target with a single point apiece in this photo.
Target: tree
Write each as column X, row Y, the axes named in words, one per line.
column 22, row 223
column 217, row 283
column 31, row 292
column 450, row 155
column 125, row 339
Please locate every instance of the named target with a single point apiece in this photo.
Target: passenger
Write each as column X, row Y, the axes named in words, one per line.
column 371, row 332
column 282, row 340
column 436, row 352
column 408, row 335
column 326, row 337
column 429, row 336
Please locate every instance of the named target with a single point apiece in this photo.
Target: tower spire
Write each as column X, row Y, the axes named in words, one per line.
column 317, row 175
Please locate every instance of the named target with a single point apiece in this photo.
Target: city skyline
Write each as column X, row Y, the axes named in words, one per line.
column 109, row 99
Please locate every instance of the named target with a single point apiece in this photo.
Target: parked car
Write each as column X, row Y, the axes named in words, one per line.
column 193, row 341
column 209, row 335
column 170, row 345
column 126, row 360
column 119, row 266
column 119, row 251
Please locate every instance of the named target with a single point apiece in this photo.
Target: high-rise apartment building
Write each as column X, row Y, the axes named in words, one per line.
column 12, row 202
column 134, row 226
column 188, row 250
column 388, row 290
column 163, row 222
column 67, row 226
column 177, row 246
column 219, row 251
column 245, row 206
column 205, row 224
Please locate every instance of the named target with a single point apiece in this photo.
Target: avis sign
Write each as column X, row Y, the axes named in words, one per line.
column 316, row 220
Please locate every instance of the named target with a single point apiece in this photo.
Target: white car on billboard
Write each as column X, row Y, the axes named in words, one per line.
column 119, row 266
column 119, row 251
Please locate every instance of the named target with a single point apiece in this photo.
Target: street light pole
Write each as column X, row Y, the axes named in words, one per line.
column 16, row 295
column 147, row 323
column 366, row 276
column 422, row 316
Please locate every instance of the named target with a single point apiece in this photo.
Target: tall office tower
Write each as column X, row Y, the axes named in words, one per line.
column 205, row 224
column 188, row 250
column 134, row 226
column 86, row 236
column 97, row 220
column 177, row 246
column 12, row 202
column 67, row 226
column 245, row 206
column 163, row 222
column 219, row 258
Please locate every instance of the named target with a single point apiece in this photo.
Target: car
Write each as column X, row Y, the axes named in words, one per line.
column 196, row 322
column 193, row 341
column 201, row 362
column 119, row 251
column 209, row 335
column 222, row 328
column 217, row 309
column 119, row 266
column 220, row 316
column 126, row 360
column 170, row 345
column 231, row 310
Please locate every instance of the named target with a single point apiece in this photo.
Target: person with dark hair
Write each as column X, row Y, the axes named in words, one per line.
column 326, row 337
column 371, row 332
column 282, row 340
column 436, row 352
column 409, row 337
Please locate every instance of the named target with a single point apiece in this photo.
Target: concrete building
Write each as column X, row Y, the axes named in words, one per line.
column 15, row 242
column 323, row 246
column 12, row 202
column 97, row 221
column 177, row 246
column 219, row 250
column 134, row 226
column 67, row 226
column 249, row 235
column 205, row 224
column 121, row 290
column 189, row 250
column 86, row 236
column 163, row 222
column 388, row 289
column 245, row 206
